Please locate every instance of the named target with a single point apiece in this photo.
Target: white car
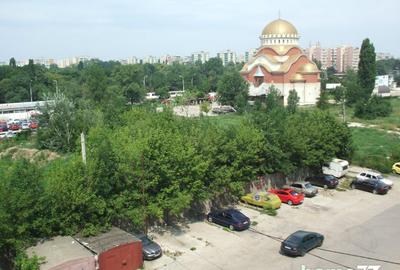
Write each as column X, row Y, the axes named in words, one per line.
column 374, row 176
column 7, row 134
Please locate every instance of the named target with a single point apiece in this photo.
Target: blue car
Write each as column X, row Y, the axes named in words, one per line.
column 300, row 242
column 231, row 218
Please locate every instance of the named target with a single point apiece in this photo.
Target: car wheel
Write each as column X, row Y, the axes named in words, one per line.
column 353, row 186
column 302, row 253
column 320, row 243
column 231, row 227
column 325, row 186
column 374, row 191
column 394, row 171
column 290, row 203
column 210, row 219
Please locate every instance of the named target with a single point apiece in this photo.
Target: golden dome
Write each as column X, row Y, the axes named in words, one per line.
column 279, row 27
column 308, row 68
column 297, row 78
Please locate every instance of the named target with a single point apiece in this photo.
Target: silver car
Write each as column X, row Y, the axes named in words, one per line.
column 305, row 187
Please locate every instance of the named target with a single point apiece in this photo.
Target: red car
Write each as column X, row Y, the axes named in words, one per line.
column 14, row 126
column 288, row 195
column 33, row 125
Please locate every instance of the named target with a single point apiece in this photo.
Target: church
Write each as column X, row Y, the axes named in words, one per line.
column 280, row 62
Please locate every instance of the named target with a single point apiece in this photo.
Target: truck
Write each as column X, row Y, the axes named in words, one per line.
column 336, row 167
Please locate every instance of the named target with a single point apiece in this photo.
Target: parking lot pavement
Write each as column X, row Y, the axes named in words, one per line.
column 352, row 221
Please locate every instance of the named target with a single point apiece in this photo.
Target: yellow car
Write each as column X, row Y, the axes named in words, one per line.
column 396, row 168
column 262, row 199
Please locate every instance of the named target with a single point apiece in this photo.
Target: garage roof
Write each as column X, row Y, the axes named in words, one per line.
column 105, row 241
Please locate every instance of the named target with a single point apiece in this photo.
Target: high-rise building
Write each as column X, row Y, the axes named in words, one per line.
column 227, row 56
column 200, row 56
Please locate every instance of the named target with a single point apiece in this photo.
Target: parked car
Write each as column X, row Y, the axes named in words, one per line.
column 263, row 199
column 7, row 134
column 323, row 180
column 288, row 195
column 3, row 126
column 374, row 176
column 151, row 250
column 25, row 126
column 300, row 242
column 374, row 186
column 231, row 218
column 33, row 125
column 336, row 167
column 396, row 168
column 305, row 187
column 15, row 126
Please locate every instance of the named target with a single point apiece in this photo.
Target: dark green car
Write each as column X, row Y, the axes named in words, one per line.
column 300, row 242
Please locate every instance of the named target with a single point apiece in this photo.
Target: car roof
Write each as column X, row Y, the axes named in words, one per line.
column 301, row 233
column 301, row 182
column 371, row 173
column 231, row 211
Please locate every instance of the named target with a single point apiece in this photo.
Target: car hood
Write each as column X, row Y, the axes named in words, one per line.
column 152, row 248
column 386, row 182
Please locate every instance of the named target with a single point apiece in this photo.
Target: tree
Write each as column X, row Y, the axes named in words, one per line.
column 12, row 62
column 293, row 101
column 232, row 89
column 273, row 99
column 322, row 102
column 134, row 92
column 367, row 69
column 58, row 124
column 353, row 88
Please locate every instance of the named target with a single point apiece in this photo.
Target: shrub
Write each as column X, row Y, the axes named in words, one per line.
column 373, row 108
column 269, row 211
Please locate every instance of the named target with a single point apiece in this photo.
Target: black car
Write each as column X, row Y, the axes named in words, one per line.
column 231, row 218
column 323, row 180
column 300, row 242
column 151, row 250
column 374, row 186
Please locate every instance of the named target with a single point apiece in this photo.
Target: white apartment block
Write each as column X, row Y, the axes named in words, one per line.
column 227, row 56
column 200, row 56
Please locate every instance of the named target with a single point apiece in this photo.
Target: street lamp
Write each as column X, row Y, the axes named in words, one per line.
column 183, row 82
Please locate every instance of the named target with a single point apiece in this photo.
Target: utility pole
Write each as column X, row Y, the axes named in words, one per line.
column 30, row 89
column 56, row 86
column 183, row 82
column 83, row 147
column 143, row 193
column 144, row 81
column 344, row 105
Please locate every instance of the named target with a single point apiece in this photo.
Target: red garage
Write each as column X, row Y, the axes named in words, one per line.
column 116, row 250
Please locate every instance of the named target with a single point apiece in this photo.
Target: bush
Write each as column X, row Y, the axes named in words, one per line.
column 373, row 108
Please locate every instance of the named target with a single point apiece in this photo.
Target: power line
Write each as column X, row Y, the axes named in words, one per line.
column 359, row 256
column 279, row 239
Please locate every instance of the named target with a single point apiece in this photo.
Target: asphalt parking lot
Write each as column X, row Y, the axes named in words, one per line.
column 353, row 221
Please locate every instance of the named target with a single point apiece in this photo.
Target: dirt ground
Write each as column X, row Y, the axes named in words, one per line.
column 352, row 221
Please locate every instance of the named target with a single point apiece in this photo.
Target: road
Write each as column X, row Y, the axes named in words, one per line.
column 354, row 221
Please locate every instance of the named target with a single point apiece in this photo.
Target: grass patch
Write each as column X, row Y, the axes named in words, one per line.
column 375, row 149
column 254, row 223
column 193, row 248
column 269, row 211
column 344, row 184
column 391, row 122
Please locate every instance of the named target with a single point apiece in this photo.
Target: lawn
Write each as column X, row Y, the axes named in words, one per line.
column 375, row 148
column 391, row 122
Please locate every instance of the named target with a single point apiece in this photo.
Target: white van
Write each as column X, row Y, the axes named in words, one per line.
column 337, row 167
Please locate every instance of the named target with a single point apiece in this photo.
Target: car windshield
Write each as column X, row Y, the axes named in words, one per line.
column 145, row 240
column 379, row 177
column 308, row 185
column 329, row 177
column 294, row 193
column 294, row 239
column 238, row 215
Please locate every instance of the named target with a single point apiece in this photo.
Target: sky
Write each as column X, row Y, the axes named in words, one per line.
column 118, row 29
